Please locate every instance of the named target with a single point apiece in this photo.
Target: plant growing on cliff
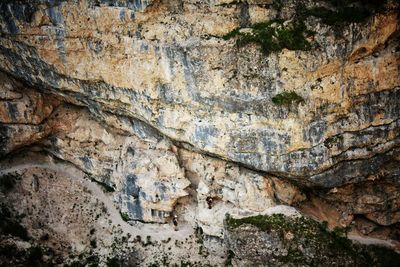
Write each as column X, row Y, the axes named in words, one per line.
column 303, row 229
column 272, row 36
column 287, row 98
column 124, row 216
column 275, row 35
column 315, row 236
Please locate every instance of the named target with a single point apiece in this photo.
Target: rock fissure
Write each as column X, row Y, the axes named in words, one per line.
column 122, row 111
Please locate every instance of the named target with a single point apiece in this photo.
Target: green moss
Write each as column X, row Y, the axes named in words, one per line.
column 231, row 34
column 273, row 36
column 262, row 222
column 303, row 229
column 312, row 235
column 287, row 98
column 124, row 216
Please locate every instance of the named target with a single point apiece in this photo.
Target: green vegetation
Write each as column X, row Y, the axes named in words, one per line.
column 316, row 237
column 331, row 141
column 303, row 228
column 300, row 226
column 124, row 216
column 273, row 36
column 287, row 98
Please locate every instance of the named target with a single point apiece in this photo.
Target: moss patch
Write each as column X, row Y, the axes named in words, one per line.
column 287, row 98
column 124, row 216
column 273, row 36
column 299, row 226
column 310, row 236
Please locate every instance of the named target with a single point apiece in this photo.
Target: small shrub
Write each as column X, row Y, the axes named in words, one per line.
column 273, row 36
column 124, row 216
column 287, row 98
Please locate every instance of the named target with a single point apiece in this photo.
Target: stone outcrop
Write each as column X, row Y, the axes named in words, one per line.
column 277, row 239
column 169, row 67
column 154, row 108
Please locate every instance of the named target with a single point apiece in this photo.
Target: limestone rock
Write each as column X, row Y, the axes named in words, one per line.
column 151, row 102
column 166, row 64
column 263, row 241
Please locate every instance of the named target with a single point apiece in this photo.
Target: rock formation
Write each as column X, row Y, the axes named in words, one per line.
column 117, row 115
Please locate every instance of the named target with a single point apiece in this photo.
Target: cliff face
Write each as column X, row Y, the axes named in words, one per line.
column 165, row 103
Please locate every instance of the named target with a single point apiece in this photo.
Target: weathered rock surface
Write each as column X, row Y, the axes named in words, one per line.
column 282, row 240
column 168, row 66
column 149, row 179
column 147, row 101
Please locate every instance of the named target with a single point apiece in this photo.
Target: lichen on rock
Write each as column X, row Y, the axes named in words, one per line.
column 273, row 240
column 129, row 129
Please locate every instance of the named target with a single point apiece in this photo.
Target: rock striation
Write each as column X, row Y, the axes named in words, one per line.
column 164, row 105
column 169, row 67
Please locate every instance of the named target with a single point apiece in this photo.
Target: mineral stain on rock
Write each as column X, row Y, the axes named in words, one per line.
column 120, row 117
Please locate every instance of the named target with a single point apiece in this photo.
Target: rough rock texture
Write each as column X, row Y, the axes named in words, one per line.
column 280, row 240
column 152, row 103
column 169, row 67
